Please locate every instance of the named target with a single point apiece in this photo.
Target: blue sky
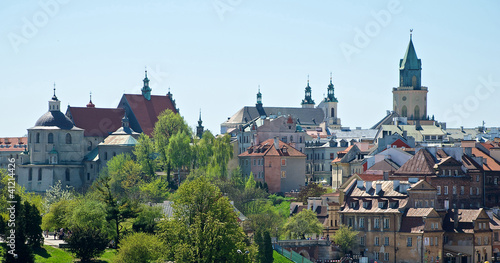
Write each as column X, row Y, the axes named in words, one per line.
column 213, row 54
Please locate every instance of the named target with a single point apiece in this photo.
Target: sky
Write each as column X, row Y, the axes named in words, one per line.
column 214, row 54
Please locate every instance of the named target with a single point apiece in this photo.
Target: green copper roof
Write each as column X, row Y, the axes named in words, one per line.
column 410, row 60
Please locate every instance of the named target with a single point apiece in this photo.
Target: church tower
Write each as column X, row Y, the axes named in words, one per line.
column 329, row 107
column 307, row 102
column 199, row 128
column 146, row 90
column 410, row 98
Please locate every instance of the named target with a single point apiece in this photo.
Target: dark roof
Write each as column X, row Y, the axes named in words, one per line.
column 98, row 122
column 422, row 163
column 305, row 116
column 55, row 118
column 384, row 165
column 387, row 120
column 266, row 148
column 146, row 111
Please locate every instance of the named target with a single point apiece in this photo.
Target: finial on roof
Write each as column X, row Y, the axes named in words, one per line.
column 200, row 114
column 54, row 97
column 259, row 88
column 90, row 104
column 146, row 71
column 307, row 79
column 330, row 77
column 411, row 31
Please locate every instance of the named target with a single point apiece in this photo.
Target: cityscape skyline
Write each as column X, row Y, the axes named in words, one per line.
column 213, row 55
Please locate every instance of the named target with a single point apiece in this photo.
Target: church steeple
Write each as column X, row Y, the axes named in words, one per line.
column 308, row 102
column 410, row 67
column 90, row 104
column 199, row 128
column 259, row 98
column 54, row 103
column 331, row 94
column 146, row 90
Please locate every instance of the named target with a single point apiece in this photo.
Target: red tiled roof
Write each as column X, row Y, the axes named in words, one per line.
column 400, row 144
column 13, row 144
column 490, row 164
column 267, row 148
column 146, row 111
column 371, row 177
column 470, row 164
column 96, row 121
column 422, row 163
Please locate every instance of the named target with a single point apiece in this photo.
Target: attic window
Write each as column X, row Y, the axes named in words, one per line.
column 366, row 204
column 284, row 150
column 382, row 204
column 353, row 204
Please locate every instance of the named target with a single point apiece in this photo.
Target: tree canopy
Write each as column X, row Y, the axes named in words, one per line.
column 301, row 224
column 345, row 238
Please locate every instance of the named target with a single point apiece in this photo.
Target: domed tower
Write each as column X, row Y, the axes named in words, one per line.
column 308, row 102
column 329, row 107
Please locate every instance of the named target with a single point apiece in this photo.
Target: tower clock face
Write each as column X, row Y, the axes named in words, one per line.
column 404, row 98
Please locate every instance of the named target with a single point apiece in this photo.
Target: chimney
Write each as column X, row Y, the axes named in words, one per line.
column 395, row 184
column 368, row 186
column 360, row 184
column 455, row 218
column 276, row 143
column 405, row 134
column 386, row 175
column 378, row 188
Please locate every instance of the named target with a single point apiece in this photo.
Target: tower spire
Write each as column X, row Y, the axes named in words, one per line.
column 90, row 104
column 259, row 98
column 54, row 97
column 331, row 91
column 199, row 128
column 146, row 90
column 411, row 31
column 308, row 102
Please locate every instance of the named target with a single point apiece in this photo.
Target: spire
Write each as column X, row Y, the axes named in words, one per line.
column 54, row 103
column 146, row 90
column 410, row 67
column 199, row 128
column 90, row 104
column 54, row 97
column 259, row 98
column 307, row 102
column 331, row 92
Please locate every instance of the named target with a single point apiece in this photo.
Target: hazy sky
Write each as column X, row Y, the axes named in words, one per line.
column 213, row 54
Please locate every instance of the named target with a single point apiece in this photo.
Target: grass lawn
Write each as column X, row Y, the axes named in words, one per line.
column 48, row 254
column 278, row 258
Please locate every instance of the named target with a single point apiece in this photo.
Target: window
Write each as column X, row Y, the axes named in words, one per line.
column 68, row 138
column 432, row 241
column 283, row 174
column 114, row 154
column 362, row 241
column 254, row 162
column 470, row 191
column 332, row 156
column 478, row 241
column 462, row 189
column 477, row 178
column 376, row 241
column 485, row 241
column 67, row 174
column 361, row 222
column 376, row 255
column 88, row 176
column 30, row 175
column 404, row 112
column 432, row 203
column 50, row 138
column 386, row 256
column 386, row 241
column 283, row 162
column 40, row 174
column 439, row 190
column 454, row 190
column 386, row 223
column 408, row 242
column 349, row 222
column 37, row 137
column 436, row 241
column 495, row 180
column 495, row 236
column 477, row 190
column 89, row 147
column 376, row 223
column 446, row 190
column 106, row 157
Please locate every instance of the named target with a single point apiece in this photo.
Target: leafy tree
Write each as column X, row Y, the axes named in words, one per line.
column 301, row 224
column 204, row 227
column 33, row 220
column 250, row 184
column 268, row 248
column 204, row 150
column 222, row 153
column 179, row 151
column 156, row 190
column 146, row 220
column 87, row 243
column 56, row 193
column 345, row 238
column 145, row 155
column 139, row 247
column 59, row 215
column 23, row 250
column 90, row 214
column 311, row 190
column 124, row 176
column 168, row 124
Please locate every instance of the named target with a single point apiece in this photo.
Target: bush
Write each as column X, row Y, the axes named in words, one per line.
column 139, row 247
column 87, row 243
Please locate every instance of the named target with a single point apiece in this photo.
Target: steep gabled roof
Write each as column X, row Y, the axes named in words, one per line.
column 266, row 148
column 410, row 60
column 99, row 122
column 490, row 164
column 422, row 163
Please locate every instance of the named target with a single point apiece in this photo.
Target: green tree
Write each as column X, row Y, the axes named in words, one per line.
column 204, row 227
column 33, row 221
column 168, row 124
column 204, row 150
column 147, row 219
column 250, row 184
column 156, row 190
column 179, row 151
column 311, row 190
column 87, row 243
column 22, row 251
column 59, row 215
column 301, row 224
column 125, row 175
column 345, row 238
column 56, row 193
column 222, row 153
column 145, row 155
column 139, row 248
column 268, row 248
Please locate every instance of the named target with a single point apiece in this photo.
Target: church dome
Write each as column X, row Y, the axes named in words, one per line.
column 55, row 118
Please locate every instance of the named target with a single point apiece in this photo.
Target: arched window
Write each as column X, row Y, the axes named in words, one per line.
column 417, row 113
column 50, row 138
column 414, row 81
column 333, row 112
column 40, row 174
column 37, row 137
column 68, row 138
column 67, row 174
column 30, row 174
column 404, row 111
column 89, row 148
column 291, row 138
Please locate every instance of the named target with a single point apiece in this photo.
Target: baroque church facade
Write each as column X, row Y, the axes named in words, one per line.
column 74, row 147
